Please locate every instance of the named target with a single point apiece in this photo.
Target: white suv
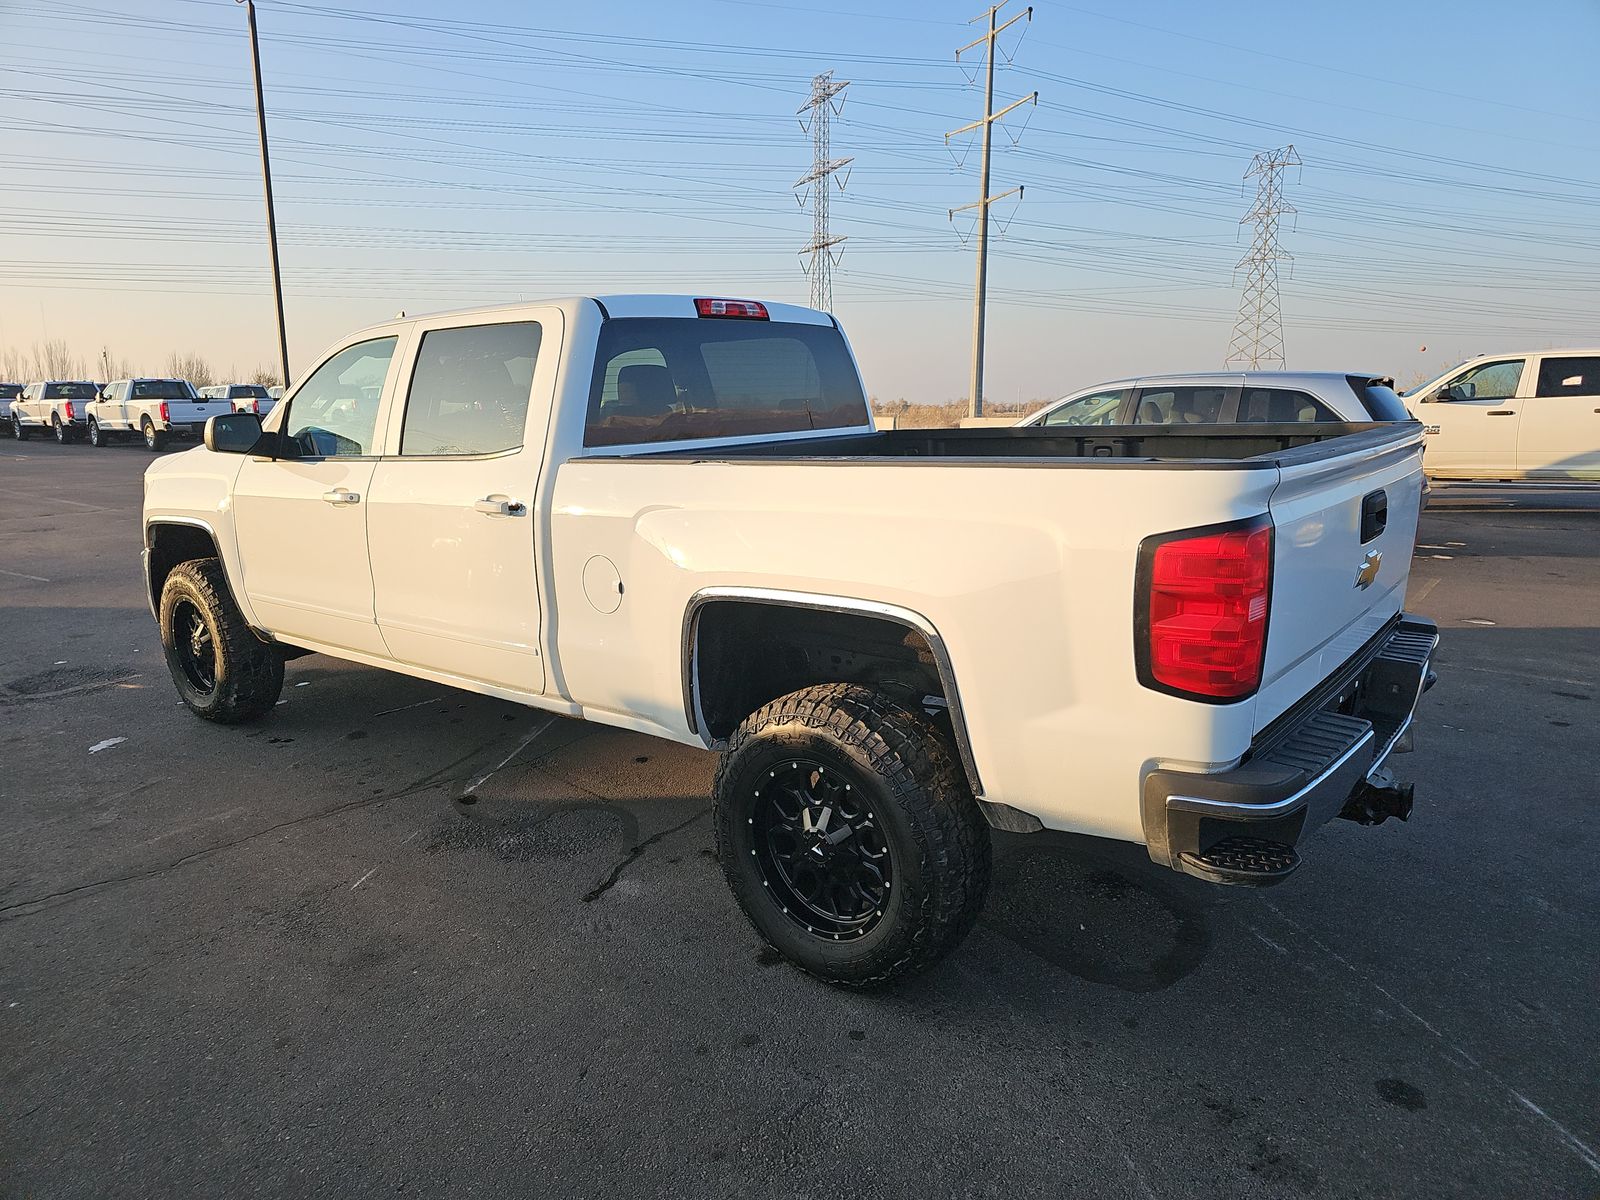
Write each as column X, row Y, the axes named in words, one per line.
column 1514, row 416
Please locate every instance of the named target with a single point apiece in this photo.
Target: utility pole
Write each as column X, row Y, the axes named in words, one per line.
column 266, row 180
column 821, row 109
column 1258, row 336
column 986, row 122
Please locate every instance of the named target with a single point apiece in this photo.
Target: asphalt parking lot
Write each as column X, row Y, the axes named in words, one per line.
column 285, row 960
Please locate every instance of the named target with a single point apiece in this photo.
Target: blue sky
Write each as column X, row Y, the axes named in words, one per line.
column 434, row 156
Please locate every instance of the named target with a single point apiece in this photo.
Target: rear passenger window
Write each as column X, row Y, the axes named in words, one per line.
column 1279, row 406
column 469, row 391
column 1180, row 406
column 1569, row 377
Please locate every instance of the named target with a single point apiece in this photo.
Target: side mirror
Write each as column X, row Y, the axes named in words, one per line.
column 1459, row 391
column 233, row 433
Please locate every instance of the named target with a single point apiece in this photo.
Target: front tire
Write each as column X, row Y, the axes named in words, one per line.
column 848, row 835
column 155, row 440
column 18, row 429
column 97, row 438
column 222, row 670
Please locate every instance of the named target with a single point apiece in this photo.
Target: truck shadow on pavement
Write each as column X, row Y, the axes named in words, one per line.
column 1098, row 910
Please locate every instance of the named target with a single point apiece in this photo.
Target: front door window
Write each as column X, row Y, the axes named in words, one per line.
column 335, row 413
column 1486, row 381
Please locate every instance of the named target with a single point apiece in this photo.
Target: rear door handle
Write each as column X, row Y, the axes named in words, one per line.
column 499, row 506
column 1502, row 412
column 342, row 496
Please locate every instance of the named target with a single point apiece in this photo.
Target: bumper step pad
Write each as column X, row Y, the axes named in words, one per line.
column 1240, row 859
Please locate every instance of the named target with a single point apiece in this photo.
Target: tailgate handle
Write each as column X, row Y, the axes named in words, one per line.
column 1374, row 514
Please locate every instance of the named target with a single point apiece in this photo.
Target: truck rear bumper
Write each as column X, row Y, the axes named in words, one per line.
column 1323, row 758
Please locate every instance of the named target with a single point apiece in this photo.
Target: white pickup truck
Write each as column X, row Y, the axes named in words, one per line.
column 245, row 397
column 58, row 406
column 674, row 515
column 153, row 409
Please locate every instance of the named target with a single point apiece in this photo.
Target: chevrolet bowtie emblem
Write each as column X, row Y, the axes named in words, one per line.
column 1369, row 568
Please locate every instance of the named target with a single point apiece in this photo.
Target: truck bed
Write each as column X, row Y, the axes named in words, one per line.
column 1199, row 446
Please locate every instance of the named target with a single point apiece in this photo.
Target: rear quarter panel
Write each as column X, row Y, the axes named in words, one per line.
column 1026, row 572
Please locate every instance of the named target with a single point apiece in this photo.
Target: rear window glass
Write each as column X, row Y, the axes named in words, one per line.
column 1379, row 399
column 1569, row 377
column 70, row 391
column 1281, row 406
column 672, row 379
column 160, row 389
column 245, row 391
column 10, row 391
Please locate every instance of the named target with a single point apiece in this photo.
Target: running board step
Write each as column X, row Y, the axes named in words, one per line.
column 1250, row 861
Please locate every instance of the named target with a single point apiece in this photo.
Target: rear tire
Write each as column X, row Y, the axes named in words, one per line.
column 62, row 432
column 155, row 439
column 222, row 670
column 867, row 860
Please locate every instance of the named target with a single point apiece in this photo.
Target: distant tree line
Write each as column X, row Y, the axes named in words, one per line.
column 54, row 358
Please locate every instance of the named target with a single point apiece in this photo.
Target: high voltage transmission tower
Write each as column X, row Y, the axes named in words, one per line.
column 984, row 200
column 816, row 118
column 1258, row 336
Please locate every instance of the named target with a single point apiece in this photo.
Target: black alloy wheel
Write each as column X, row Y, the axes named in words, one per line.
column 820, row 848
column 193, row 648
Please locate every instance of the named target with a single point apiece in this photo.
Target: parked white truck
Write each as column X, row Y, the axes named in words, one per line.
column 674, row 515
column 56, row 406
column 245, row 397
column 153, row 409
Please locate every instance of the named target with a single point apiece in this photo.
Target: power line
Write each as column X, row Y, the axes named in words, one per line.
column 984, row 200
column 1258, row 336
column 817, row 116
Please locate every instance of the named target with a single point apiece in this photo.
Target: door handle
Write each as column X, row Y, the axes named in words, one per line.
column 1502, row 412
column 499, row 506
column 342, row 496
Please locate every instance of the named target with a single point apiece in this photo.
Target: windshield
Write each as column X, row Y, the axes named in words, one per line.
column 247, row 391
column 161, row 389
column 671, row 379
column 70, row 391
column 1418, row 389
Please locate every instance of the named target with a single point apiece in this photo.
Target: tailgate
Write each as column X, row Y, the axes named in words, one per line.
column 1344, row 531
column 195, row 412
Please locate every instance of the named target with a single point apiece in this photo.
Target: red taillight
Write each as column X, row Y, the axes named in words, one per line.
column 166, row 419
column 71, row 413
column 255, row 407
column 749, row 310
column 1200, row 612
